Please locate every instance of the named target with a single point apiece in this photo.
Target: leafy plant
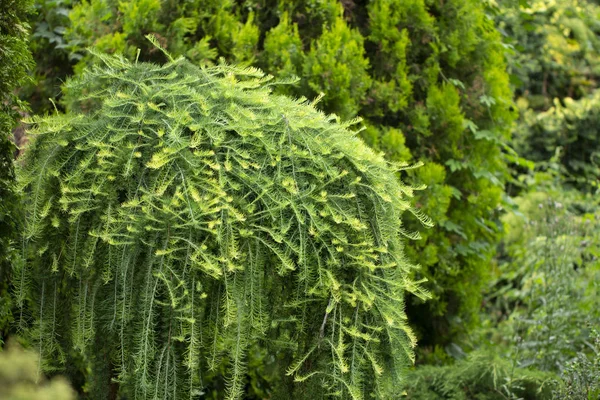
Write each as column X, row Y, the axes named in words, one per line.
column 440, row 94
column 556, row 48
column 570, row 131
column 51, row 51
column 182, row 220
column 555, row 74
column 545, row 295
column 582, row 375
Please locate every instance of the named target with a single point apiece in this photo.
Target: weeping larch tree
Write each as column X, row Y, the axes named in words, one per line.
column 181, row 221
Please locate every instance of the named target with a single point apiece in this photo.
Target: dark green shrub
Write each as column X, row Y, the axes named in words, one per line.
column 570, row 131
column 480, row 376
column 182, row 221
column 440, row 82
column 544, row 303
column 428, row 77
column 15, row 59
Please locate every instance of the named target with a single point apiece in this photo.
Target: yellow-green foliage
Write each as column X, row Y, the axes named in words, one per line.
column 182, row 220
column 283, row 50
column 557, row 48
column 569, row 132
column 428, row 77
column 544, row 304
column 555, row 67
column 20, row 378
column 336, row 65
column 481, row 376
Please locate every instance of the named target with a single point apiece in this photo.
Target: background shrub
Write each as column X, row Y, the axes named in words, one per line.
column 482, row 376
column 555, row 75
column 20, row 377
column 183, row 222
column 542, row 309
column 556, row 47
column 569, row 133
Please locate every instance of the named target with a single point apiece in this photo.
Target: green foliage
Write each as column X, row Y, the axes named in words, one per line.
column 557, row 48
column 336, row 65
column 582, row 376
column 15, row 59
column 428, row 77
column 112, row 25
column 53, row 63
column 571, row 131
column 20, row 378
column 545, row 298
column 283, row 50
column 181, row 221
column 439, row 80
column 481, row 376
column 555, row 71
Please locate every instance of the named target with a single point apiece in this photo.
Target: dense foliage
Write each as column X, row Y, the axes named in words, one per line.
column 569, row 131
column 556, row 49
column 428, row 77
column 484, row 375
column 52, row 61
column 182, row 220
column 582, row 375
column 15, row 59
column 555, row 71
column 546, row 298
column 143, row 187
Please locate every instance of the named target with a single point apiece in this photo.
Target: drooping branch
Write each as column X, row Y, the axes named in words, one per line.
column 186, row 215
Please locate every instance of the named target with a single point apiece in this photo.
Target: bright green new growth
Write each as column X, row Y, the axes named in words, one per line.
column 179, row 215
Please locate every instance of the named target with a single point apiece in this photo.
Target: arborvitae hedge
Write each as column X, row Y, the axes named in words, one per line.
column 428, row 77
column 183, row 222
column 15, row 59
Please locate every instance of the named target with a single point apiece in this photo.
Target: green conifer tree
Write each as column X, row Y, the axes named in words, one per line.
column 181, row 220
